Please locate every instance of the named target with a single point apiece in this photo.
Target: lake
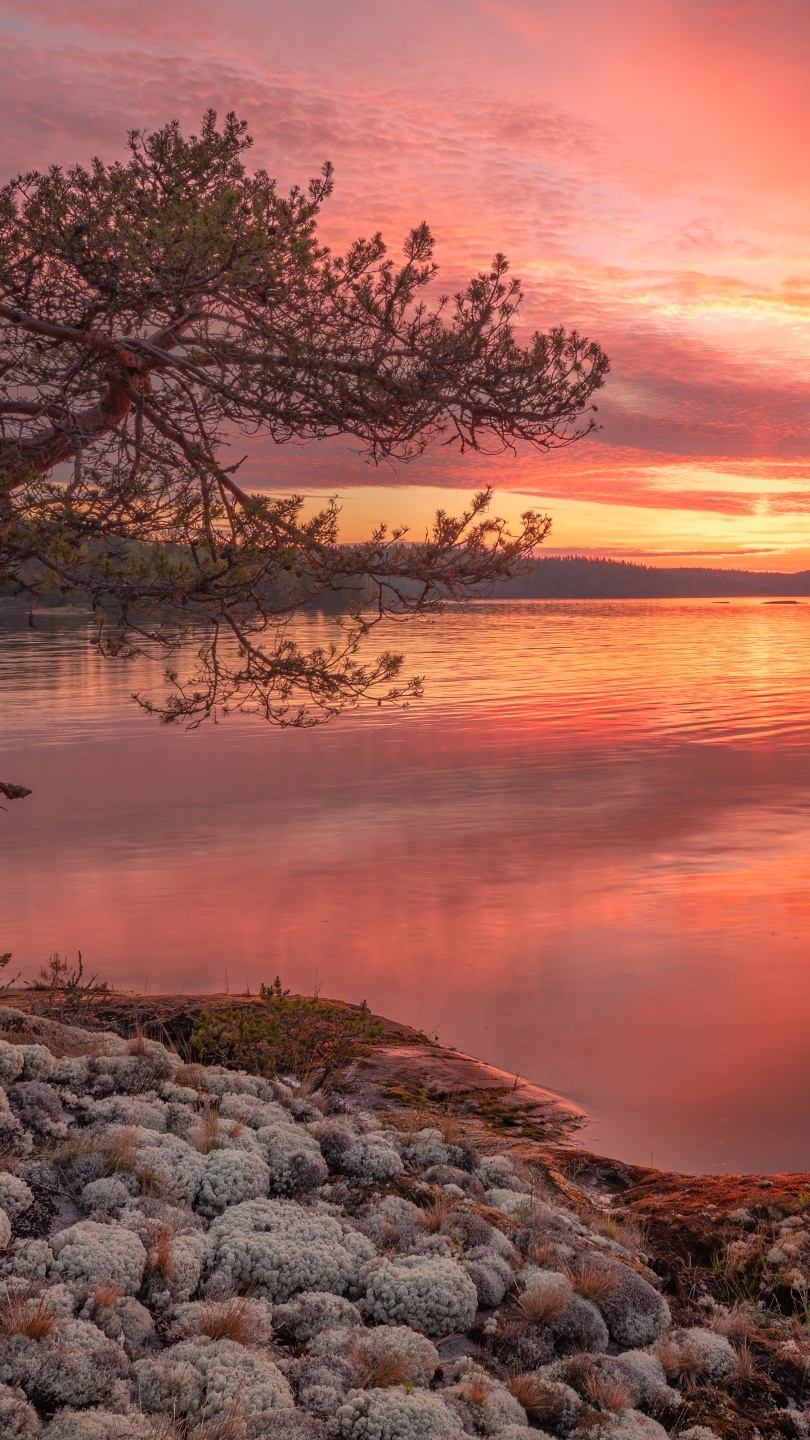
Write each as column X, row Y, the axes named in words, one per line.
column 584, row 856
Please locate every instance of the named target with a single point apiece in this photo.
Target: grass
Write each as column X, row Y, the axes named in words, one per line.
column 105, row 1295
column 159, row 1259
column 537, row 1397
column 434, row 1216
column 120, row 1152
column 227, row 1320
column 590, row 1280
column 535, row 1306
column 19, row 1316
column 606, row 1391
column 476, row 1390
column 375, row 1371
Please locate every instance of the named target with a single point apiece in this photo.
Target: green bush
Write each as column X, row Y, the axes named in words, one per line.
column 285, row 1034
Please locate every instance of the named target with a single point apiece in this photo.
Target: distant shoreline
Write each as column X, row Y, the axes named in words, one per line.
column 580, row 578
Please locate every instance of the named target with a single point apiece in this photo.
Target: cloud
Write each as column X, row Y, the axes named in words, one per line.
column 615, row 155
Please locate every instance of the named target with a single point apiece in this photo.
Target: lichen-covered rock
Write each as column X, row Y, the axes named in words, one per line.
column 106, row 1194
column 394, row 1414
column 497, row 1172
column 37, row 1062
column 398, row 1345
column 29, row 1259
column 231, row 1380
column 484, row 1406
column 428, row 1149
column 313, row 1312
column 11, row 1062
column 293, row 1158
column 250, row 1110
column 93, row 1253
column 278, row 1250
column 371, row 1159
column 18, row 1419
column 98, row 1424
column 698, row 1353
column 149, row 1113
column 627, row 1425
column 635, row 1313
column 433, row 1296
column 491, row 1275
column 132, row 1074
column 15, row 1196
column 74, row 1365
column 166, row 1165
column 13, row 1138
column 124, row 1319
column 230, row 1176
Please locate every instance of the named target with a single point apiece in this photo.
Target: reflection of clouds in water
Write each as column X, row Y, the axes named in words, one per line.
column 539, row 858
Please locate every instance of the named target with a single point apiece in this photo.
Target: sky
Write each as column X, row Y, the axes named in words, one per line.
column 642, row 164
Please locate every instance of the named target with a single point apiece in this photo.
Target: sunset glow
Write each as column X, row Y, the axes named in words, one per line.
column 643, row 167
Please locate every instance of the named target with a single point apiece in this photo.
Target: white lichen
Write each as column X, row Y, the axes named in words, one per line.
column 92, row 1253
column 433, row 1296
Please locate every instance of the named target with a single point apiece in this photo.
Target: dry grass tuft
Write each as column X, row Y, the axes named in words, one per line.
column 207, row 1136
column 606, row 1391
column 192, row 1075
column 435, row 1215
column 224, row 1427
column 475, row 1390
column 450, row 1129
column 151, row 1181
column 746, row 1370
column 105, row 1295
column 160, row 1260
column 137, row 1045
column 590, row 1280
column 120, row 1152
column 377, row 1372
column 227, row 1320
column 70, row 1150
column 536, row 1397
column 21, row 1317
column 540, row 1254
column 679, row 1363
column 736, row 1324
column 624, row 1230
column 539, row 1306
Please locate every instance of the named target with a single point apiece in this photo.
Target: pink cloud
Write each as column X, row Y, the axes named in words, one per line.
column 643, row 167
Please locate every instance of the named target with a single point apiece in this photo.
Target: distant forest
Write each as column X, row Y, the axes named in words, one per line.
column 574, row 577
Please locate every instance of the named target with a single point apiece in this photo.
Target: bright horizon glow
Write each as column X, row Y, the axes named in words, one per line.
column 641, row 164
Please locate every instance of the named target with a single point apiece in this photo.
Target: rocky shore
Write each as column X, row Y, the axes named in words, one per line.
column 418, row 1249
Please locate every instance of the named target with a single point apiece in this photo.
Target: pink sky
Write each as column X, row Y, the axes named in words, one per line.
column 642, row 163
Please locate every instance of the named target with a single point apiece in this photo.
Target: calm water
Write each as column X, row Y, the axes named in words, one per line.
column 584, row 856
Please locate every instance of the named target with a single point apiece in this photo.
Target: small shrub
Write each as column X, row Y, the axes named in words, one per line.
column 62, row 992
column 285, row 1034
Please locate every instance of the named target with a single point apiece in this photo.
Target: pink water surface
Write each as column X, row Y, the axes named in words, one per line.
column 584, row 856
